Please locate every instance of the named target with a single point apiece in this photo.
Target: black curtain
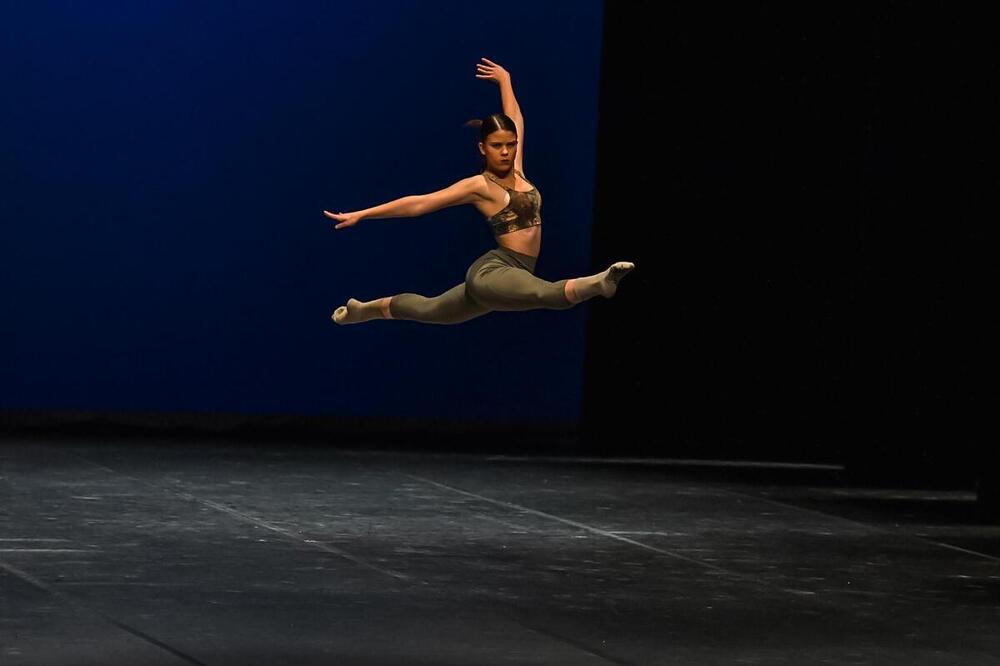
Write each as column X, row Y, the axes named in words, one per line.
column 807, row 195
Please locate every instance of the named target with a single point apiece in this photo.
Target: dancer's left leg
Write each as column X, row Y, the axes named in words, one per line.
column 510, row 288
column 603, row 284
column 498, row 283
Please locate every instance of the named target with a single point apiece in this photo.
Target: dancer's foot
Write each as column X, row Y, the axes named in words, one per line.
column 600, row 284
column 612, row 276
column 356, row 312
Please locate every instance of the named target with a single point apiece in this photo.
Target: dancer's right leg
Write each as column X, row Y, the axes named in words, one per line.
column 451, row 307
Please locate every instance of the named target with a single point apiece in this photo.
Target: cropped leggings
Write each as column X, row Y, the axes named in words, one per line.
column 499, row 280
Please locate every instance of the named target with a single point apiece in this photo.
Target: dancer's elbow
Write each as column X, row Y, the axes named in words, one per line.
column 419, row 205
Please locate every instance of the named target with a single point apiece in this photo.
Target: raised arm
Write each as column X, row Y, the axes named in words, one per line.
column 490, row 71
column 467, row 190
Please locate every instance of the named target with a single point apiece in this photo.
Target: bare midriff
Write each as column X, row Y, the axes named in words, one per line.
column 526, row 241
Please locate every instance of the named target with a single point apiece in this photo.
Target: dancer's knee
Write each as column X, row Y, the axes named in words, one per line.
column 402, row 305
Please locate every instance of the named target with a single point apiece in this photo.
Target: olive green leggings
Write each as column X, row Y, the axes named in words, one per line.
column 499, row 280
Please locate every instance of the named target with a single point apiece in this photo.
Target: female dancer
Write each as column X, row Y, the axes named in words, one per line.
column 501, row 279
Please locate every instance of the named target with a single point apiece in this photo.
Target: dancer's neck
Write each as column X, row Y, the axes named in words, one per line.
column 504, row 176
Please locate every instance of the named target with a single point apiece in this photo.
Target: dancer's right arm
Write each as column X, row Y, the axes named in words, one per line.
column 467, row 190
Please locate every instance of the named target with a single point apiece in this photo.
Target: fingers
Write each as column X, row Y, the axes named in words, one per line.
column 490, row 67
column 339, row 217
column 486, row 73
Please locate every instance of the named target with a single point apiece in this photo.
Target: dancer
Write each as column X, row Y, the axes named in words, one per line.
column 502, row 279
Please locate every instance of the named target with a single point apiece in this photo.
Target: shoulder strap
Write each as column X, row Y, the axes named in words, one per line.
column 524, row 178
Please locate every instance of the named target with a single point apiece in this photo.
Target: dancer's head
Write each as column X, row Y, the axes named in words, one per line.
column 497, row 142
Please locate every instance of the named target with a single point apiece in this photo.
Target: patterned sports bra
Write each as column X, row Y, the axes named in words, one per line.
column 522, row 212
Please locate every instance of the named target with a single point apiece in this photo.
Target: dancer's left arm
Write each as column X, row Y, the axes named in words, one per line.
column 490, row 71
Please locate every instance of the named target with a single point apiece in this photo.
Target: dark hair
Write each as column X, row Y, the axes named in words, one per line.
column 497, row 121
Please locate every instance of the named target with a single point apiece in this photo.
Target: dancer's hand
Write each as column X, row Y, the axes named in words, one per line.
column 344, row 219
column 492, row 72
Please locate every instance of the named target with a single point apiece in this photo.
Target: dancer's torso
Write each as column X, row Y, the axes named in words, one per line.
column 513, row 214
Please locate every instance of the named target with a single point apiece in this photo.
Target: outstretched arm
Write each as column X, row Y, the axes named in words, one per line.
column 490, row 71
column 467, row 190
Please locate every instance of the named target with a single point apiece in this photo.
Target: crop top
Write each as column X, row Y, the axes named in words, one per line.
column 520, row 213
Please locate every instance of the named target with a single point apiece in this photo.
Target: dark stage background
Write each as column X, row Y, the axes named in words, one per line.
column 806, row 192
column 809, row 192
column 165, row 169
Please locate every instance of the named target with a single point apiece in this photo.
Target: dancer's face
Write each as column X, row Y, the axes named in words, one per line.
column 500, row 149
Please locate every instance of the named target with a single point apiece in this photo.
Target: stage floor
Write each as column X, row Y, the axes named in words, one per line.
column 147, row 553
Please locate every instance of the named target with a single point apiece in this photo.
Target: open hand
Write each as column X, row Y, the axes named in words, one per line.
column 343, row 219
column 491, row 72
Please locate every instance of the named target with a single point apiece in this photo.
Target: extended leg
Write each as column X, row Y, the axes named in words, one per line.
column 502, row 287
column 451, row 307
column 508, row 288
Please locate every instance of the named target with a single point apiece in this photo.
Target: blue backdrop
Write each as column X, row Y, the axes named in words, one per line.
column 165, row 165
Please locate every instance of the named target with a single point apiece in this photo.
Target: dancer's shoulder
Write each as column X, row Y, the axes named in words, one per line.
column 475, row 185
column 478, row 184
column 466, row 191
